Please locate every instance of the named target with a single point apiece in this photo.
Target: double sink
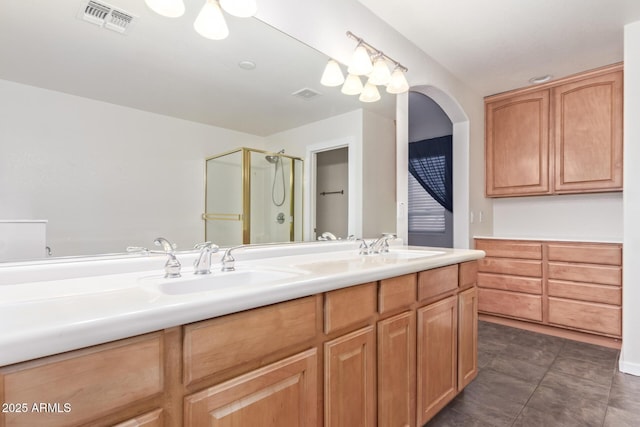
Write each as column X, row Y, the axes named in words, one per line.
column 280, row 270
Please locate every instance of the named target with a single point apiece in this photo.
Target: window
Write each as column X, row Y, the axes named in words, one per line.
column 426, row 215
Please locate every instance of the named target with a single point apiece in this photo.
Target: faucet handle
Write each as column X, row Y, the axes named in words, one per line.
column 133, row 249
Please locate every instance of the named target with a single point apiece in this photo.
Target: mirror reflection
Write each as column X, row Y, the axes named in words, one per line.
column 253, row 197
column 104, row 135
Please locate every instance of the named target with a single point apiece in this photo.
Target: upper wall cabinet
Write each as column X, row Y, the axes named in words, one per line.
column 562, row 137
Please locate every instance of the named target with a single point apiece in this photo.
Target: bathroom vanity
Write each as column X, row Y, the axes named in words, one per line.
column 307, row 338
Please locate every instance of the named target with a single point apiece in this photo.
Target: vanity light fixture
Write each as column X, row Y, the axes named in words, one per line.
column 360, row 61
column 239, row 8
column 380, row 75
column 332, row 75
column 352, row 85
column 372, row 63
column 398, row 82
column 210, row 22
column 168, row 8
column 369, row 93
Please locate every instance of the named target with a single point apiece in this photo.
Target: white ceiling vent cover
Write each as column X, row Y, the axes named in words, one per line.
column 106, row 16
column 306, row 93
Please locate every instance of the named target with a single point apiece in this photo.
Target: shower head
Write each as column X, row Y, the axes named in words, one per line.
column 273, row 158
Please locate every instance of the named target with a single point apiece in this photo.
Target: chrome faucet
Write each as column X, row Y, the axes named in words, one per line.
column 364, row 248
column 203, row 264
column 381, row 245
column 172, row 266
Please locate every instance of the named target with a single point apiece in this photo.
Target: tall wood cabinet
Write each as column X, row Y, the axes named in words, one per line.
column 561, row 137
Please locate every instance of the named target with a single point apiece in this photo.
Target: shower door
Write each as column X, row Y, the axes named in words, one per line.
column 253, row 196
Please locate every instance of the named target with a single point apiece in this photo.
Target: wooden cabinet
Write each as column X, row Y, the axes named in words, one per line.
column 517, row 145
column 349, row 380
column 85, row 386
column 561, row 137
column 585, row 287
column 280, row 394
column 572, row 285
column 437, row 348
column 387, row 353
column 397, row 370
column 588, row 134
column 467, row 336
column 510, row 279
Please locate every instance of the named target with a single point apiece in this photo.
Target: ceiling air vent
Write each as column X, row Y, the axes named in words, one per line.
column 106, row 16
column 306, row 93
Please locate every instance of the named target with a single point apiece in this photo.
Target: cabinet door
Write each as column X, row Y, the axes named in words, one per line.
column 280, row 394
column 396, row 370
column 350, row 380
column 517, row 145
column 437, row 357
column 467, row 336
column 588, row 134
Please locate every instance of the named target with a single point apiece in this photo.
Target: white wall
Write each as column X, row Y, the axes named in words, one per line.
column 630, row 357
column 579, row 216
column 105, row 176
column 426, row 118
column 378, row 175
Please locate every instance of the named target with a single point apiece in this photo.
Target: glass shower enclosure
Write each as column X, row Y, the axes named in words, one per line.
column 253, row 196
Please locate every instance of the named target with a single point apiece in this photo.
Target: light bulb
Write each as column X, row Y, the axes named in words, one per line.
column 398, row 82
column 369, row 93
column 168, row 8
column 380, row 74
column 240, row 8
column 352, row 85
column 360, row 62
column 210, row 22
column 332, row 75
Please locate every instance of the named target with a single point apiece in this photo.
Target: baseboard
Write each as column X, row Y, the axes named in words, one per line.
column 555, row 331
column 629, row 367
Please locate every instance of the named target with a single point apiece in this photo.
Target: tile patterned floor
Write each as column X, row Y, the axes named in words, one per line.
column 529, row 379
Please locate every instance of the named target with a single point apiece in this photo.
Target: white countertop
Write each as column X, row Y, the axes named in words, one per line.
column 44, row 317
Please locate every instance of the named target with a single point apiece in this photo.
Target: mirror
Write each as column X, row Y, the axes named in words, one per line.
column 104, row 135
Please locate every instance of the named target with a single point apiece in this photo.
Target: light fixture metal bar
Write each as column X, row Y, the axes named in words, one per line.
column 375, row 51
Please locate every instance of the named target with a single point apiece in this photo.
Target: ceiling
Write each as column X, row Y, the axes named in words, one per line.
column 163, row 66
column 498, row 45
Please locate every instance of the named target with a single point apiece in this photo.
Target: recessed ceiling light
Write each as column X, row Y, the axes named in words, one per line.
column 540, row 79
column 247, row 65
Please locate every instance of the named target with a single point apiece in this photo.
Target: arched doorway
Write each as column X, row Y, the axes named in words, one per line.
column 460, row 148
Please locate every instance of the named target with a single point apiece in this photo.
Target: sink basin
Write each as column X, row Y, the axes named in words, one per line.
column 407, row 254
column 217, row 281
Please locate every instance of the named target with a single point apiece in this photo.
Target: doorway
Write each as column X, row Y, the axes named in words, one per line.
column 430, row 174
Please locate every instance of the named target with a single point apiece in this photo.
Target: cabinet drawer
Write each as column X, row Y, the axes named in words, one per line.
column 590, row 254
column 228, row 341
column 604, row 294
column 510, row 249
column 600, row 318
column 528, row 285
column 432, row 283
column 93, row 382
column 606, row 275
column 467, row 274
column 513, row 304
column 345, row 307
column 283, row 394
column 510, row 266
column 397, row 292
